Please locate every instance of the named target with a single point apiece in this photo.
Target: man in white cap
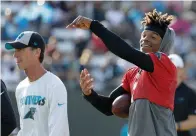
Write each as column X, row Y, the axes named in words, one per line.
column 41, row 97
column 185, row 100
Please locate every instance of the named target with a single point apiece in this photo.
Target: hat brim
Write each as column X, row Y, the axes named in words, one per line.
column 15, row 45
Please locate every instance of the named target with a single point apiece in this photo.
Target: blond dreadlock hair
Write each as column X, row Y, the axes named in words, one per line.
column 157, row 18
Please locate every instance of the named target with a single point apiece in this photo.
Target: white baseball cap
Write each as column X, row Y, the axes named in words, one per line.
column 27, row 39
column 177, row 60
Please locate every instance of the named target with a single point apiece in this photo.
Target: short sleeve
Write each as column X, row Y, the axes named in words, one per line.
column 192, row 103
column 163, row 67
column 127, row 79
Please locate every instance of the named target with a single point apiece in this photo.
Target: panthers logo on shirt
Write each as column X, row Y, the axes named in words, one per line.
column 30, row 113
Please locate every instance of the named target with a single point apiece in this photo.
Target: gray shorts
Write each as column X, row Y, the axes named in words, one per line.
column 148, row 119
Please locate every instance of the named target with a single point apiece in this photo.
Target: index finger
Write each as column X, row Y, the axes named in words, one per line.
column 86, row 71
column 73, row 24
column 82, row 74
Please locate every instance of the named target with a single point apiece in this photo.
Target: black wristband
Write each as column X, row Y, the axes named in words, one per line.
column 93, row 24
column 90, row 97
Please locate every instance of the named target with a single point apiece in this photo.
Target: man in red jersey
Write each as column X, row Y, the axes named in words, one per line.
column 151, row 83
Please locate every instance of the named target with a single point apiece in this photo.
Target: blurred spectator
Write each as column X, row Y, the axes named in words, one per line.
column 98, row 11
column 191, row 64
column 10, row 28
column 115, row 15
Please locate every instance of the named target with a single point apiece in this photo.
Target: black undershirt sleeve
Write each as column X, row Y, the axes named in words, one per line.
column 120, row 48
column 104, row 103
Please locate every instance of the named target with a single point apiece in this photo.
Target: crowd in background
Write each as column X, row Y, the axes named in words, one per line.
column 67, row 49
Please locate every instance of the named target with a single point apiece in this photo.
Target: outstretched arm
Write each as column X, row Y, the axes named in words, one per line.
column 188, row 124
column 114, row 43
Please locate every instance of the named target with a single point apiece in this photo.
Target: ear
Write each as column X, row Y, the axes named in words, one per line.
column 184, row 74
column 37, row 52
